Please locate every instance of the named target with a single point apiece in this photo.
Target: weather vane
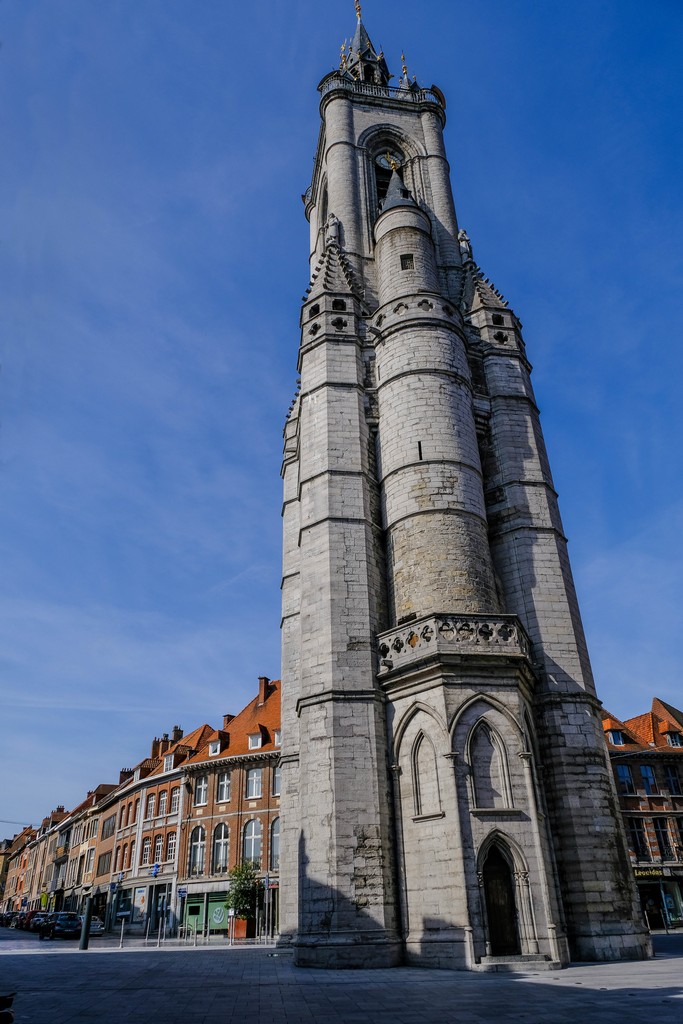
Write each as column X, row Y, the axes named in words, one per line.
column 358, row 9
column 344, row 58
column 405, row 68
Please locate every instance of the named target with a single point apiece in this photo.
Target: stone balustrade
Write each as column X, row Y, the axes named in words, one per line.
column 452, row 634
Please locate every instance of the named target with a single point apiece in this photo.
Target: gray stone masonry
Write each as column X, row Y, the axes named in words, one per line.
column 446, row 794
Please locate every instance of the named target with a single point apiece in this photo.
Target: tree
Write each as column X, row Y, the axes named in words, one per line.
column 244, row 889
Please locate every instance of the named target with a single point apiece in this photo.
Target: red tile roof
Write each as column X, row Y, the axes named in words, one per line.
column 257, row 717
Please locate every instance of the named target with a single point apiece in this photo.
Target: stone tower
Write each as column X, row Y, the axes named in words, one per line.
column 447, row 797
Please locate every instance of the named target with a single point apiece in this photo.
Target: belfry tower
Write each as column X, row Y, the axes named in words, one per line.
column 447, row 797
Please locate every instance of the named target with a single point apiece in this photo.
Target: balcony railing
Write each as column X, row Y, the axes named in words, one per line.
column 340, row 81
column 500, row 635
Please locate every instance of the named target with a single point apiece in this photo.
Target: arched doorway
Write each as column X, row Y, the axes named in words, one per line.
column 501, row 911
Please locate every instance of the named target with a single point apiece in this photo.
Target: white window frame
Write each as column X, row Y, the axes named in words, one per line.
column 163, row 802
column 175, row 800
column 278, row 738
column 255, row 740
column 277, row 780
column 223, row 786
column 171, row 843
column 168, row 763
column 214, row 748
column 146, row 851
column 150, row 806
column 220, row 850
column 254, row 783
column 201, row 791
column 158, row 848
column 252, row 842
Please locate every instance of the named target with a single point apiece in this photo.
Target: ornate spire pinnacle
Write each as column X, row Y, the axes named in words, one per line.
column 363, row 61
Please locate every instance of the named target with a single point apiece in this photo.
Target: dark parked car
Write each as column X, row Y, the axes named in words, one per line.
column 37, row 920
column 64, row 925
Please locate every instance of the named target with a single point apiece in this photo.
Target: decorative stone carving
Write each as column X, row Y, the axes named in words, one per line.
column 476, row 634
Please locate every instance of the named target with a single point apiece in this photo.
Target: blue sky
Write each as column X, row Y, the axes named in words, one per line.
column 153, row 254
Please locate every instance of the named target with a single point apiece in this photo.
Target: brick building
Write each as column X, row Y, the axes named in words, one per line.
column 647, row 758
column 232, row 813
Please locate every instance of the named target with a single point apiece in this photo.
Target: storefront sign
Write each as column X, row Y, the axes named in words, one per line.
column 648, row 872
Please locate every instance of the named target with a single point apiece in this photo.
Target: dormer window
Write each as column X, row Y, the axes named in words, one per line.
column 255, row 740
column 168, row 763
column 616, row 737
column 136, row 775
column 674, row 739
column 278, row 737
column 214, row 748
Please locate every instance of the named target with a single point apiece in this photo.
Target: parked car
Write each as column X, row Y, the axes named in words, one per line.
column 96, row 925
column 64, row 925
column 37, row 920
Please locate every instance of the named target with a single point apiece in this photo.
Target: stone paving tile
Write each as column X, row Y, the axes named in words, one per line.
column 221, row 986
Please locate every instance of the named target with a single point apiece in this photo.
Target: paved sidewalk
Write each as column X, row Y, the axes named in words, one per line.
column 252, row 986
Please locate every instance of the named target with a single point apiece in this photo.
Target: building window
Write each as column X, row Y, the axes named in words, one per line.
column 407, row 261
column 673, row 782
column 663, row 840
column 223, row 787
column 197, row 851
column 674, row 739
column 151, row 801
column 647, row 773
column 158, row 849
column 275, row 845
column 175, row 800
column 278, row 737
column 108, row 827
column 251, row 845
column 168, row 763
column 276, row 780
column 90, row 860
column 170, row 846
column 338, row 305
column 104, row 863
column 498, row 320
column 253, row 783
column 136, row 812
column 221, row 849
column 214, row 748
column 131, row 855
column 146, row 851
column 201, row 791
column 625, row 779
column 616, row 737
column 255, row 740
column 636, row 833
column 117, row 858
column 163, row 801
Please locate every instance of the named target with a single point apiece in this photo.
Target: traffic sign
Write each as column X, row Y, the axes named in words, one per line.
column 182, row 893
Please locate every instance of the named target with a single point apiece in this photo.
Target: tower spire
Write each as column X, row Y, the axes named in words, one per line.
column 363, row 61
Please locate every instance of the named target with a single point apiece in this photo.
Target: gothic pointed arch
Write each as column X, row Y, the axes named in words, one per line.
column 437, row 727
column 425, row 777
column 487, row 756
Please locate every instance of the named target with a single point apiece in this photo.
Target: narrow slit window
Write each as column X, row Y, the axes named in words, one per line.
column 419, row 450
column 407, row 261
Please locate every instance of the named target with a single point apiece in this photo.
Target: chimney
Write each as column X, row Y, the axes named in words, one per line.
column 177, row 733
column 263, row 689
column 227, row 719
column 125, row 774
column 155, row 748
column 164, row 744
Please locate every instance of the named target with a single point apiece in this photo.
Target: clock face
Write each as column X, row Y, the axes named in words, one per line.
column 386, row 159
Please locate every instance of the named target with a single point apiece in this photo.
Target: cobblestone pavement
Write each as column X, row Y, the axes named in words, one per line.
column 253, row 986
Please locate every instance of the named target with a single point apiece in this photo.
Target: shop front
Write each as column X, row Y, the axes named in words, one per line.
column 661, row 896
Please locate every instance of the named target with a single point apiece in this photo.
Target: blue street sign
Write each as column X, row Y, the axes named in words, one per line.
column 182, row 893
column 112, row 887
column 155, row 870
